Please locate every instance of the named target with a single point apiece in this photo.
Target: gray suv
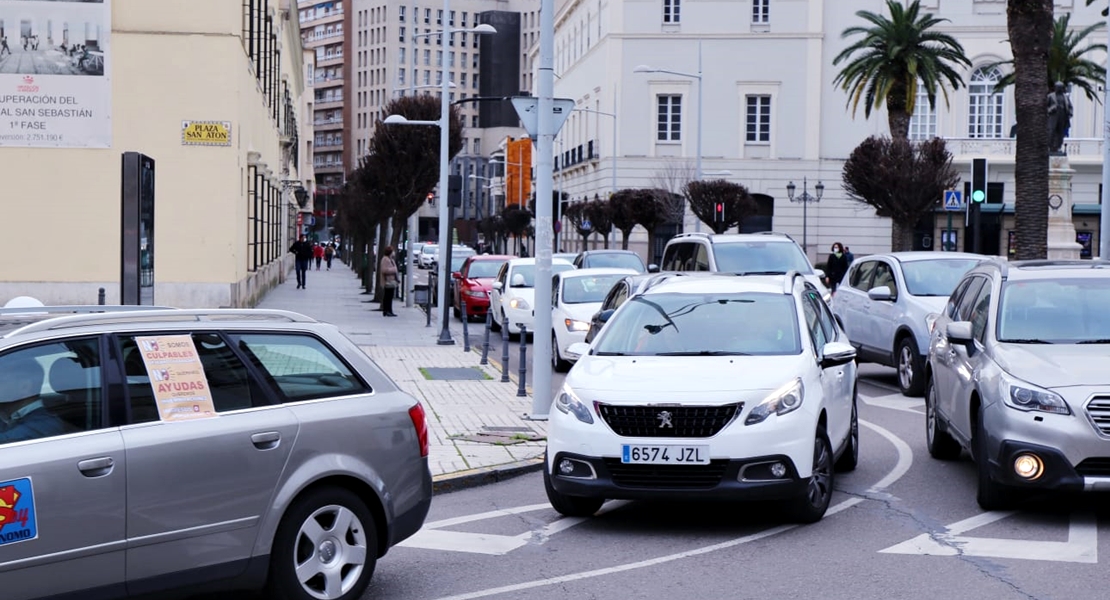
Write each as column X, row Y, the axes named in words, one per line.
column 1017, row 375
column 141, row 450
column 887, row 304
column 764, row 253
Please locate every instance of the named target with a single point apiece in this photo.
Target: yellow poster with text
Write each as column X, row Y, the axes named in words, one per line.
column 177, row 377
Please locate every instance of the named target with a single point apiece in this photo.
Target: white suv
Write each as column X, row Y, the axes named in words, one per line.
column 715, row 387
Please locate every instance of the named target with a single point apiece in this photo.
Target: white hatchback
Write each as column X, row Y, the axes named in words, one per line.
column 716, row 387
column 575, row 297
column 513, row 295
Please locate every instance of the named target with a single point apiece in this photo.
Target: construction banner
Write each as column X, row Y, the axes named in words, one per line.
column 518, row 172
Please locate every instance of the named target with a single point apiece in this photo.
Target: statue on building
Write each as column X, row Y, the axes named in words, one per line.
column 1059, row 118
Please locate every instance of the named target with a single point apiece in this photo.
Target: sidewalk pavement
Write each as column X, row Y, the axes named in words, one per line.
column 478, row 428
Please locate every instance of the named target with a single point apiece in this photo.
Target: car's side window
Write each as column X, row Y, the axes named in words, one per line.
column 678, row 257
column 301, row 366
column 884, row 275
column 622, row 295
column 954, row 298
column 50, row 389
column 229, row 382
column 556, row 283
column 824, row 319
column 967, row 302
column 701, row 259
column 980, row 313
column 813, row 324
column 860, row 278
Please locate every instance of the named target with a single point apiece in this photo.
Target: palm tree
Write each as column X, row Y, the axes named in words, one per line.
column 1066, row 60
column 896, row 56
column 1030, row 25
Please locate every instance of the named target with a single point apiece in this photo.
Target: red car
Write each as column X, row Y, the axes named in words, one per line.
column 473, row 282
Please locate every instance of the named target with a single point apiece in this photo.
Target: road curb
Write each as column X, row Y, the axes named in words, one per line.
column 453, row 482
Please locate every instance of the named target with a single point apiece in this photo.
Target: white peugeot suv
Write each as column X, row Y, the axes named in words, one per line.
column 714, row 387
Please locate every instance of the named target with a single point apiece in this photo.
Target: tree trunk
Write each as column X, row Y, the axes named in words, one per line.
column 624, row 238
column 901, row 237
column 897, row 119
column 1030, row 27
column 606, row 239
column 383, row 235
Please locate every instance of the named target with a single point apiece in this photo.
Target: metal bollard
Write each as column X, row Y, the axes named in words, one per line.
column 465, row 320
column 485, row 339
column 100, row 297
column 428, row 309
column 521, row 391
column 505, row 353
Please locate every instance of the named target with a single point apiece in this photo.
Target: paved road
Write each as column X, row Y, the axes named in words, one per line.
column 901, row 526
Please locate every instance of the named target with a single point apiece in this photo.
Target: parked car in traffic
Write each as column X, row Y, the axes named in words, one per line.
column 741, row 253
column 887, row 304
column 427, row 255
column 459, row 255
column 575, row 296
column 473, row 282
column 612, row 259
column 1017, row 375
column 513, row 293
column 718, row 387
column 143, row 450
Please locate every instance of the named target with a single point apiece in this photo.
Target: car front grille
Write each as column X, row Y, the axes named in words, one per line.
column 1094, row 467
column 669, row 421
column 675, row 477
column 1099, row 411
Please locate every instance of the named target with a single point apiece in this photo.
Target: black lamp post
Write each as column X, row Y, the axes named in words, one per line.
column 805, row 198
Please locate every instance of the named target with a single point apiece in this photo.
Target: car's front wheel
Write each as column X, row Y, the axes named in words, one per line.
column 850, row 457
column 811, row 505
column 557, row 362
column 910, row 373
column 325, row 548
column 570, row 506
column 991, row 495
column 941, row 445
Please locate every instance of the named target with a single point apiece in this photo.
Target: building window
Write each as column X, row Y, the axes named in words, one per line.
column 401, row 34
column 427, row 16
column 400, row 56
column 984, row 105
column 401, row 76
column 427, row 57
column 761, row 12
column 669, row 126
column 401, row 13
column 439, row 57
column 439, row 17
column 758, row 119
column 474, row 121
column 462, row 79
column 671, row 11
column 923, row 123
column 478, row 146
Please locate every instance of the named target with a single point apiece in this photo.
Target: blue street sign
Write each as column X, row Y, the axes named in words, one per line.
column 953, row 200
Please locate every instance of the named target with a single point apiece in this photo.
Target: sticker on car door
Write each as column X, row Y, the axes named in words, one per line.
column 17, row 511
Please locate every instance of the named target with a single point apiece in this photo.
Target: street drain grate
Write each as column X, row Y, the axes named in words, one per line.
column 455, row 373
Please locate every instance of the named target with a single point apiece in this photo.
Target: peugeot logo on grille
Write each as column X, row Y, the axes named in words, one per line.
column 665, row 419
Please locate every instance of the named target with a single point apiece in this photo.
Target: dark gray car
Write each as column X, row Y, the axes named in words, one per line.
column 144, row 450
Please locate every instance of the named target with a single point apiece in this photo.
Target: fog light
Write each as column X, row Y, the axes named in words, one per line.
column 566, row 467
column 778, row 469
column 1028, row 466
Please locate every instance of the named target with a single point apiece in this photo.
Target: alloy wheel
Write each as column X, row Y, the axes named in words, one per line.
column 330, row 552
column 905, row 367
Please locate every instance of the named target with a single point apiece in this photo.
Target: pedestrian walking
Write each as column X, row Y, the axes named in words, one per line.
column 835, row 267
column 4, row 46
column 387, row 271
column 848, row 254
column 302, row 253
column 329, row 253
column 318, row 254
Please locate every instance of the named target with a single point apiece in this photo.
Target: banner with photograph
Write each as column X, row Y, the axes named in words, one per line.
column 55, row 87
column 176, row 377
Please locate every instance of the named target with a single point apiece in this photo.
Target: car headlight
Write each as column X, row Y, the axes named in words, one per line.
column 827, row 297
column 931, row 321
column 786, row 399
column 568, row 403
column 475, row 293
column 1027, row 397
column 520, row 303
column 573, row 325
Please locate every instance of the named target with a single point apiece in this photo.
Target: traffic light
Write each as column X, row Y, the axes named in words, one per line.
column 719, row 213
column 979, row 180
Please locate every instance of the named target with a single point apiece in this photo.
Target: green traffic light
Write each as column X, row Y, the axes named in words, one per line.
column 978, row 196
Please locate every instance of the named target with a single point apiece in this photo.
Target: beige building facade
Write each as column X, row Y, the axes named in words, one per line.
column 212, row 90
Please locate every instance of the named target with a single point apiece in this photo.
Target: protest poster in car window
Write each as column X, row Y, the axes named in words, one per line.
column 177, row 377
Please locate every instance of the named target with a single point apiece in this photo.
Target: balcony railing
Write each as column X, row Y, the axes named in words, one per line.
column 576, row 155
column 1004, row 149
column 326, row 122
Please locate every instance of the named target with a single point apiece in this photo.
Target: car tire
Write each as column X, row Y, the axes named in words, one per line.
column 508, row 328
column 850, row 457
column 557, row 362
column 908, row 362
column 569, row 506
column 812, row 504
column 990, row 495
column 941, row 445
column 353, row 548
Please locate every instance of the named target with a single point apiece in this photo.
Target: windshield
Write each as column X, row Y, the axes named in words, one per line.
column 935, row 277
column 484, row 268
column 1062, row 311
column 615, row 260
column 580, row 290
column 429, row 249
column 702, row 324
column 525, row 275
column 457, row 261
column 760, row 257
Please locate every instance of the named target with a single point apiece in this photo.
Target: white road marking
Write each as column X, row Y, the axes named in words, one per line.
column 905, row 459
column 896, row 402
column 1081, row 547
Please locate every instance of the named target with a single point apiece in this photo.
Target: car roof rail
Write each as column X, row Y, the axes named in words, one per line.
column 785, row 235
column 78, row 309
column 1098, row 263
column 1002, row 264
column 149, row 314
column 788, row 281
column 689, row 234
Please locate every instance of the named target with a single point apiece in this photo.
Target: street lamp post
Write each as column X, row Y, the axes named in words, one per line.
column 805, row 198
column 444, row 125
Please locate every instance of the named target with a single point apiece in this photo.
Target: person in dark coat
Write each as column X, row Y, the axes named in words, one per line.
column 835, row 267
column 302, row 252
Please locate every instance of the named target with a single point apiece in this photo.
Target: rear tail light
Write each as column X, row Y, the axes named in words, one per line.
column 420, row 422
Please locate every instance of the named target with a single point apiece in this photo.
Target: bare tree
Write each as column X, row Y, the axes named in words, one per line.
column 900, row 179
column 704, row 196
column 601, row 218
column 577, row 214
column 622, row 208
column 672, row 179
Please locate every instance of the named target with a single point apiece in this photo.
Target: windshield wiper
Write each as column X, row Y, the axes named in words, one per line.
column 1101, row 341
column 743, row 273
column 703, row 353
column 609, row 354
column 1024, row 341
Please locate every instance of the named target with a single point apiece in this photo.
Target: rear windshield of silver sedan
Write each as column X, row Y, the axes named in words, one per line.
column 935, row 277
column 672, row 324
column 760, row 257
column 1059, row 311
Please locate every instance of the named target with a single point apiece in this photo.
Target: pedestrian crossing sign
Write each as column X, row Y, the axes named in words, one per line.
column 953, row 200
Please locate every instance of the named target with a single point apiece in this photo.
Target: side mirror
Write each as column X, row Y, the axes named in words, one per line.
column 959, row 332
column 577, row 350
column 653, row 268
column 820, row 273
column 880, row 294
column 497, row 286
column 456, row 275
column 604, row 316
column 835, row 354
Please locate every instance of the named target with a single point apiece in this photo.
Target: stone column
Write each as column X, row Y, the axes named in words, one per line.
column 1061, row 230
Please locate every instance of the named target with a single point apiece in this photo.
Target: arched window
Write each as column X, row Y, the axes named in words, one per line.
column 985, row 105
